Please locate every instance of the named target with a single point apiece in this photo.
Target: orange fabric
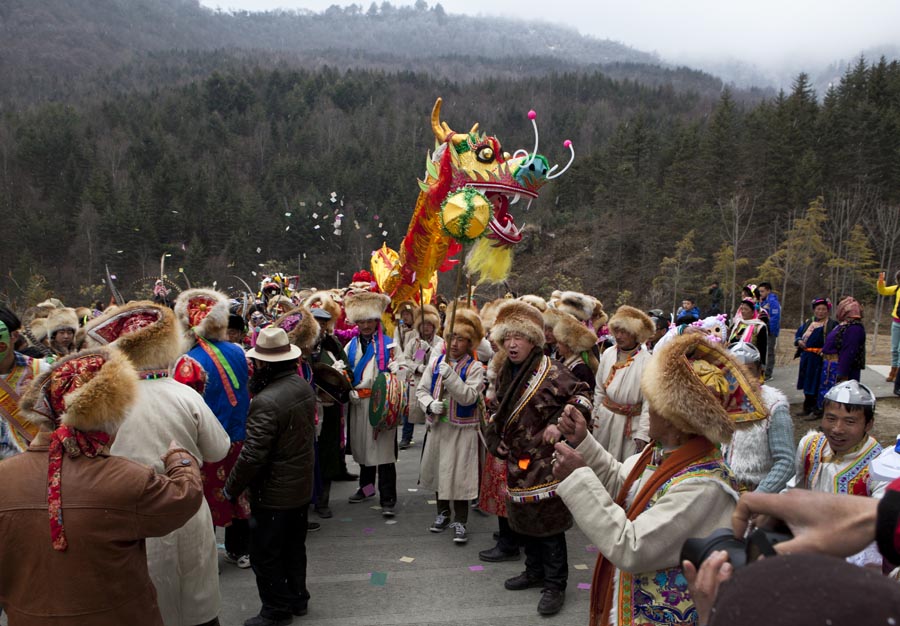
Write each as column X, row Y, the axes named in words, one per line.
column 605, row 572
column 364, row 393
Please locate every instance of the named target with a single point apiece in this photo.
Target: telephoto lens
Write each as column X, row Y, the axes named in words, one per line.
column 697, row 549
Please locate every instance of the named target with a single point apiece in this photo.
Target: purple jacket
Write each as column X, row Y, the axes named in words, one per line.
column 854, row 340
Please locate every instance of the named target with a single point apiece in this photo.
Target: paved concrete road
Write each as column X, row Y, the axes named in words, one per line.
column 437, row 588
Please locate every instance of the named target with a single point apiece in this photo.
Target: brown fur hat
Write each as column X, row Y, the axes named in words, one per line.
column 577, row 304
column 570, row 331
column 365, row 305
column 489, row 313
column 598, row 315
column 536, row 301
column 633, row 321
column 302, row 328
column 515, row 316
column 431, row 315
column 688, row 383
column 61, row 318
column 38, row 329
column 279, row 301
column 102, row 385
column 466, row 324
column 406, row 305
column 203, row 311
column 146, row 332
column 323, row 300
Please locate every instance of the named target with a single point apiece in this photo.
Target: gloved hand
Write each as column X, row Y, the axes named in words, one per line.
column 354, row 397
column 437, row 408
column 339, row 365
column 393, row 367
column 446, row 370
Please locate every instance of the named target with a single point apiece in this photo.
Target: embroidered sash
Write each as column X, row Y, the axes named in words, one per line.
column 457, row 414
column 22, row 432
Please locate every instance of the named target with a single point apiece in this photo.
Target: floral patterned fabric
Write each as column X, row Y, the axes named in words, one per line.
column 214, row 476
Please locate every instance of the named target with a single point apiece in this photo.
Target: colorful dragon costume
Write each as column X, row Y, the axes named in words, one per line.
column 467, row 171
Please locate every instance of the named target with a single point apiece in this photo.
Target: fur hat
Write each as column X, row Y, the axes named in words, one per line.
column 203, row 311
column 489, row 313
column 60, row 319
column 598, row 316
column 324, row 300
column 37, row 329
column 365, row 305
column 90, row 390
column 570, row 331
column 632, row 321
column 536, row 301
column 406, row 305
column 701, row 388
column 577, row 304
column 301, row 327
column 146, row 332
column 466, row 324
column 515, row 316
column 279, row 301
column 431, row 316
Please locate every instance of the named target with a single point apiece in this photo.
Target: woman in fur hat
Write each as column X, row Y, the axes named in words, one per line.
column 62, row 324
column 422, row 344
column 449, row 393
column 532, row 390
column 620, row 408
column 184, row 564
column 88, row 565
column 640, row 512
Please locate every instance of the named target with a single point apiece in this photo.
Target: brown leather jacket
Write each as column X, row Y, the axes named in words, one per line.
column 110, row 504
column 278, row 458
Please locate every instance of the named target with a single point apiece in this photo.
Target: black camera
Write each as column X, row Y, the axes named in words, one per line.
column 740, row 551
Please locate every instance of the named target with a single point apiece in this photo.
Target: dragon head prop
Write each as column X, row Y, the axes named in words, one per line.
column 469, row 187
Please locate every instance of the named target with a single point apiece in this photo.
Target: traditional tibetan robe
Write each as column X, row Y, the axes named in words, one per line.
column 620, row 412
column 450, row 457
column 15, row 432
column 416, row 356
column 366, row 360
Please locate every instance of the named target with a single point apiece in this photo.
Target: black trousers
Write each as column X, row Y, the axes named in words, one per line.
column 547, row 558
column 387, row 481
column 278, row 557
column 237, row 537
column 509, row 540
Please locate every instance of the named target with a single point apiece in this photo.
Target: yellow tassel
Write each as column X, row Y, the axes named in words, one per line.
column 491, row 264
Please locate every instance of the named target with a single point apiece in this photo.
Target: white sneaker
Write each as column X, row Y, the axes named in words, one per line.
column 244, row 561
column 459, row 533
column 441, row 522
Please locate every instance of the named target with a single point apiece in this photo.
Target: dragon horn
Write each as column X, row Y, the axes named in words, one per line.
column 442, row 131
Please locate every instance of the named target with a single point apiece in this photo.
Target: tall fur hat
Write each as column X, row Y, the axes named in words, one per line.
column 570, row 331
column 700, row 388
column 577, row 304
column 536, row 301
column 489, row 313
column 466, row 324
column 37, row 328
column 365, row 305
column 146, row 332
column 598, row 315
column 323, row 300
column 431, row 316
column 60, row 319
column 301, row 327
column 89, row 390
column 633, row 321
column 203, row 311
column 406, row 305
column 515, row 316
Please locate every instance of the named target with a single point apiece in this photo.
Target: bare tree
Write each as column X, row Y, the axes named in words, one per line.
column 737, row 217
column 883, row 226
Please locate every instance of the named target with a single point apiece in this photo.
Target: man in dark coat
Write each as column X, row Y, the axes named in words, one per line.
column 277, row 464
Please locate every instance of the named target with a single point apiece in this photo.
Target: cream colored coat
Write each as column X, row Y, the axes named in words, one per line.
column 450, row 457
column 184, row 564
column 692, row 508
column 415, row 367
column 366, row 449
column 623, row 388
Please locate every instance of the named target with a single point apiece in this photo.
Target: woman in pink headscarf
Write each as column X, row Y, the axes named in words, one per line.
column 844, row 351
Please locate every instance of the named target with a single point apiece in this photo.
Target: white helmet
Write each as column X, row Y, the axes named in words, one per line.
column 746, row 353
column 851, row 392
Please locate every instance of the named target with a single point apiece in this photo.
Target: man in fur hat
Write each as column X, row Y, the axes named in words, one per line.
column 88, row 565
column 450, row 393
column 218, row 370
column 422, row 344
column 640, row 512
column 369, row 354
column 620, row 408
column 404, row 323
column 184, row 564
column 532, row 391
column 575, row 345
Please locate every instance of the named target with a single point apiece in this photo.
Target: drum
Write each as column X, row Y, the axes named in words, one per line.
column 386, row 404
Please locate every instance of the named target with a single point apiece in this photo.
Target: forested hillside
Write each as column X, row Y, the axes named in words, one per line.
column 244, row 171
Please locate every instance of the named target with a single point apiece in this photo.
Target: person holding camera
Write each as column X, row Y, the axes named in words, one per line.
column 639, row 512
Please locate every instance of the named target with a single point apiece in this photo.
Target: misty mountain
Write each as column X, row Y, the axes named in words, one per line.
column 52, row 49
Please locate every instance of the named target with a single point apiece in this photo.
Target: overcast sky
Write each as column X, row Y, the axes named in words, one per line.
column 766, row 32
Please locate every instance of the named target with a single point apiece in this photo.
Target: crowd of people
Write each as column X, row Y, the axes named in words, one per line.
column 160, row 420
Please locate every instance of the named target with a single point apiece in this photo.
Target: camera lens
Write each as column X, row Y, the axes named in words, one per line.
column 697, row 549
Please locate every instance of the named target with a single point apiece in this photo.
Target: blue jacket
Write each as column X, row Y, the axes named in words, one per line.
column 232, row 418
column 773, row 308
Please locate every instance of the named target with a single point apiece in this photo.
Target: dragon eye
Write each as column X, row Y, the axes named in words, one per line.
column 485, row 154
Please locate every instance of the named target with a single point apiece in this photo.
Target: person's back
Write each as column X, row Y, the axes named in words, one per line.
column 111, row 504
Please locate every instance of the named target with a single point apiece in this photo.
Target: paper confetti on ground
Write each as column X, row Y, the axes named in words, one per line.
column 378, row 579
column 412, row 490
column 590, row 548
column 407, row 559
column 581, row 566
column 368, row 490
column 585, row 586
column 476, row 568
column 346, row 519
column 368, row 531
column 431, row 501
column 391, row 521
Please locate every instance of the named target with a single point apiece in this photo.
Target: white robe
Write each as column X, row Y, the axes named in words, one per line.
column 184, row 564
column 623, row 388
column 366, row 449
column 416, row 356
column 450, row 458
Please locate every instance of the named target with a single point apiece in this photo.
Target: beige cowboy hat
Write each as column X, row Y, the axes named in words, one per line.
column 273, row 345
